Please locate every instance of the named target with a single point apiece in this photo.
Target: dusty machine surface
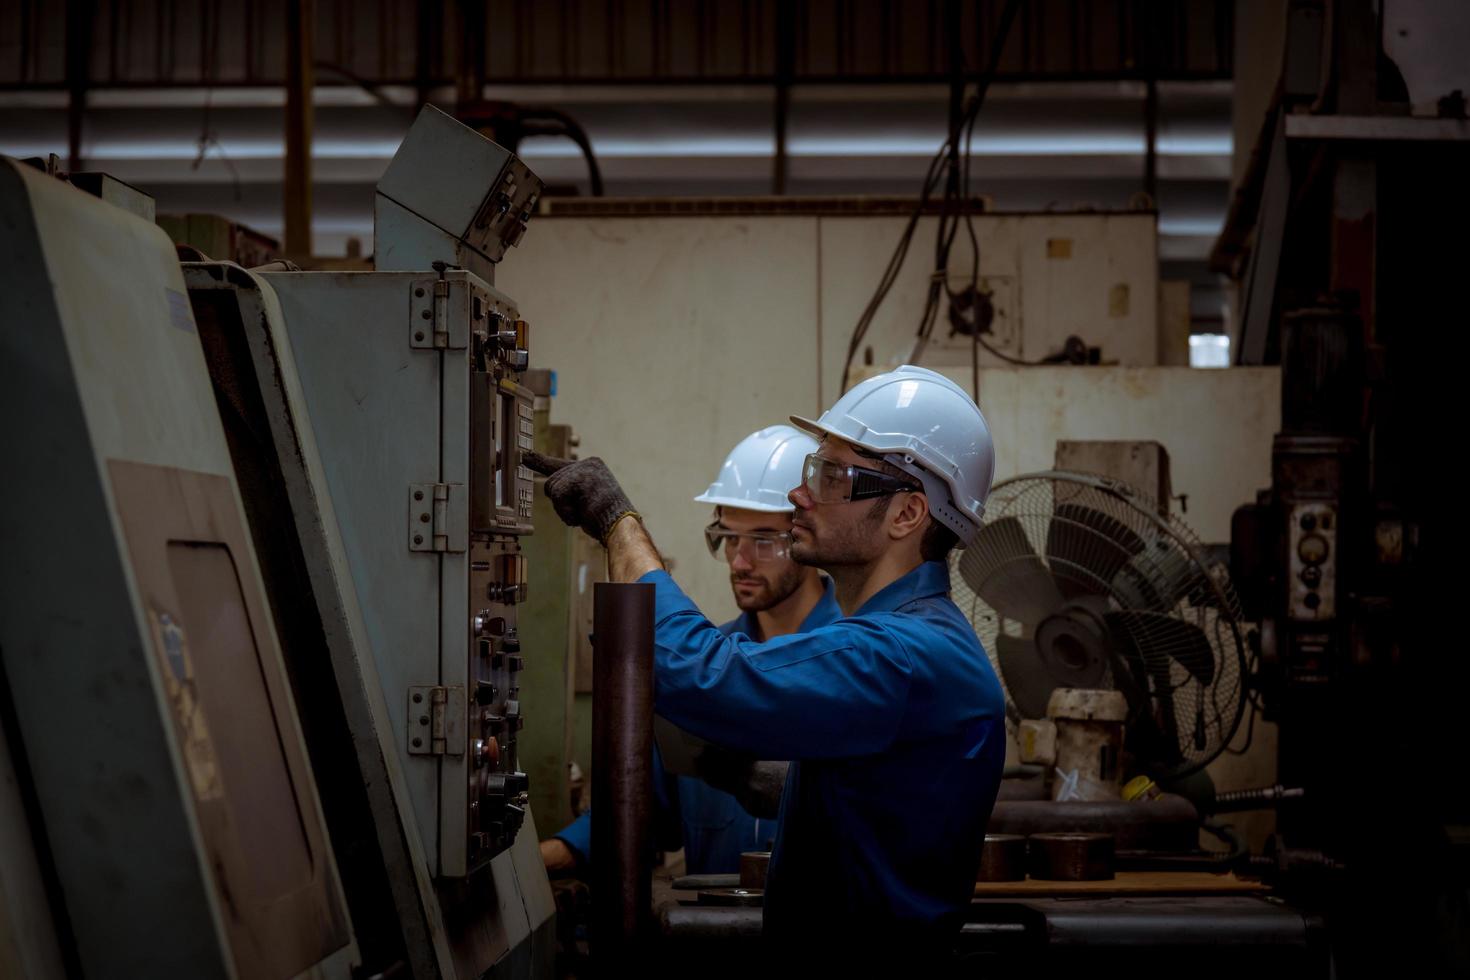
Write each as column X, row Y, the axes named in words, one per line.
column 160, row 816
column 381, row 415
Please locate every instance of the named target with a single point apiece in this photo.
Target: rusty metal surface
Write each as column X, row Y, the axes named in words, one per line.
column 579, row 42
column 737, row 897
column 622, row 767
column 1169, row 823
column 694, row 883
column 1071, row 857
column 1003, row 858
column 753, row 867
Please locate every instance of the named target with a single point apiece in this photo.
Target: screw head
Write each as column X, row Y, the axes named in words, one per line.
column 418, row 335
column 427, row 314
column 418, row 539
column 418, row 495
column 419, row 292
column 418, row 698
column 417, row 742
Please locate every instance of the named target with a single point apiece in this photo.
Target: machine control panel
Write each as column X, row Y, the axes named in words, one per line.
column 474, row 519
column 500, row 489
column 501, row 220
column 1312, row 560
column 497, row 795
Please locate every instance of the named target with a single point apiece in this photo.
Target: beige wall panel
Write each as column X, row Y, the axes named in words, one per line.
column 1216, row 425
column 1095, row 276
column 672, row 338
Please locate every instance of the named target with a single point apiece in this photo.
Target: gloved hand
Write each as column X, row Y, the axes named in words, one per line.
column 584, row 493
column 756, row 784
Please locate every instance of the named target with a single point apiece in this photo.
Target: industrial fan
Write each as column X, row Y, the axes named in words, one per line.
column 1078, row 581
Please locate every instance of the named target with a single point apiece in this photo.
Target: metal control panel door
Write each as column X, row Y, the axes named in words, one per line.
column 411, row 383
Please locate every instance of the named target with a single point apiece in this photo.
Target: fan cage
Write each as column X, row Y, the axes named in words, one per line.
column 1165, row 582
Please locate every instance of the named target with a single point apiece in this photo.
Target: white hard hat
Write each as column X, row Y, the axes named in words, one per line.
column 926, row 425
column 760, row 471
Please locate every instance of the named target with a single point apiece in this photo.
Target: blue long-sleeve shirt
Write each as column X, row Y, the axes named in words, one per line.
column 896, row 718
column 711, row 825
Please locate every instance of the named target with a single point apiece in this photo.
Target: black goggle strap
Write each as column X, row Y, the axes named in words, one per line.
column 867, row 484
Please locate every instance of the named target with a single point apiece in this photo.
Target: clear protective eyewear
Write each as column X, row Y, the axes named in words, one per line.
column 725, row 544
column 831, row 482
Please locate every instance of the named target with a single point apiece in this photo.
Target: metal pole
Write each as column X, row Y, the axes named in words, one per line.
column 300, row 81
column 79, row 16
column 785, row 67
column 1151, row 140
column 622, row 768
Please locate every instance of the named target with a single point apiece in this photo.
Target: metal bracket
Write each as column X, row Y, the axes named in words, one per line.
column 434, row 323
column 438, row 517
column 436, row 721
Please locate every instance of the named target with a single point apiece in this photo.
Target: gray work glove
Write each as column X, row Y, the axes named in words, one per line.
column 755, row 784
column 584, row 493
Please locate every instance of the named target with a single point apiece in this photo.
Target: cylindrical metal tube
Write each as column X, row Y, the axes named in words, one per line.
column 622, row 767
column 1255, row 799
column 753, row 865
column 1169, row 823
column 1003, row 858
column 1071, row 857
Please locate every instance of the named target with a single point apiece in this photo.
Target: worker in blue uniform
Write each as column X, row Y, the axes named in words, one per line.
column 892, row 714
column 751, row 531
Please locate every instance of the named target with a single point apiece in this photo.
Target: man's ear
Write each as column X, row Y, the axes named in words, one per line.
column 911, row 516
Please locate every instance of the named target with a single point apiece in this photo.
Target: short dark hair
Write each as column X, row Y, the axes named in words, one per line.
column 938, row 540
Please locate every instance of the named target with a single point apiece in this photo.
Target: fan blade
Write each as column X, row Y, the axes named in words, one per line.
column 1146, row 635
column 1006, row 572
column 1160, row 580
column 1025, row 676
column 1085, row 548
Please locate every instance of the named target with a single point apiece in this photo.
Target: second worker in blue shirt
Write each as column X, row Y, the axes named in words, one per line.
column 751, row 532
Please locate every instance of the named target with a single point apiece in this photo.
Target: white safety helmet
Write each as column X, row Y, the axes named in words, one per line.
column 927, row 426
column 761, row 470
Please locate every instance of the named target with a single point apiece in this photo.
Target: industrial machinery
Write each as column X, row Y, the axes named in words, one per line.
column 1345, row 236
column 380, row 416
column 162, row 819
column 271, row 555
column 1078, row 581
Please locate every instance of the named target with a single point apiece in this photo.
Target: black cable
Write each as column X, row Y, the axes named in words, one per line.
column 573, row 131
column 1250, row 731
column 1227, row 834
column 966, row 200
column 951, row 213
column 1252, row 699
column 895, row 263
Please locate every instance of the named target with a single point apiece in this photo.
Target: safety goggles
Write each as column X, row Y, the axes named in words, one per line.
column 725, row 544
column 831, row 482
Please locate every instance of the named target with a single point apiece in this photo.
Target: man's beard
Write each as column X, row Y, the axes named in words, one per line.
column 771, row 593
column 855, row 544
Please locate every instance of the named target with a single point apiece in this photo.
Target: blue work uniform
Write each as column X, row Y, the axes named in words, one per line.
column 715, row 828
column 897, row 720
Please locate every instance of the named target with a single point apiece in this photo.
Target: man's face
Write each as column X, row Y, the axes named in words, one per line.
column 759, row 585
column 836, row 534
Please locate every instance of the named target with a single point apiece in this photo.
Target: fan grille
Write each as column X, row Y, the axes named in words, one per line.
column 1071, row 554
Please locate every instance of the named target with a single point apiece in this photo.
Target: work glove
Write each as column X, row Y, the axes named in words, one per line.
column 754, row 783
column 584, row 493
